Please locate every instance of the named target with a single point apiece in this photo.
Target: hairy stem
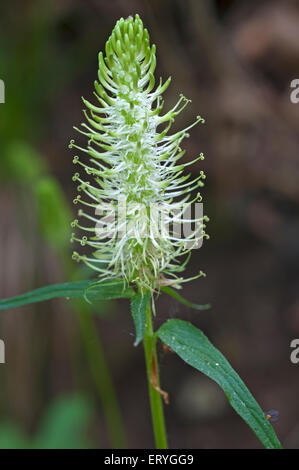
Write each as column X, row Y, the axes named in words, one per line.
column 155, row 396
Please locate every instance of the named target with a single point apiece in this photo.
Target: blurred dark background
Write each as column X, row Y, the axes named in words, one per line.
column 235, row 60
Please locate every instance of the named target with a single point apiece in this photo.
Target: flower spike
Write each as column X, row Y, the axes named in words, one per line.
column 135, row 186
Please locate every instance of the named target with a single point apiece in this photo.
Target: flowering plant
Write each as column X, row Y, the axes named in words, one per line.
column 134, row 173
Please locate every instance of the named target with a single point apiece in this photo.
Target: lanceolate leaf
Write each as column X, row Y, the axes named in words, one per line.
column 138, row 310
column 183, row 301
column 90, row 290
column 197, row 351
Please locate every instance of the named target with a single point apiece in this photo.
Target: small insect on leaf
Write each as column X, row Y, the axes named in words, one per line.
column 272, row 415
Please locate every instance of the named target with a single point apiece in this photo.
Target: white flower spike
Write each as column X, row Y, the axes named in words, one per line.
column 134, row 171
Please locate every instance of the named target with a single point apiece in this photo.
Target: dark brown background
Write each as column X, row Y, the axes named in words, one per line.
column 235, row 60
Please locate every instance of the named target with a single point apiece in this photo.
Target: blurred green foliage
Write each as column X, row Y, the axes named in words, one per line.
column 63, row 426
column 21, row 163
column 53, row 212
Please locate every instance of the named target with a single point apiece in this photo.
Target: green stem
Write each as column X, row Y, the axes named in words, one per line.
column 102, row 379
column 98, row 368
column 155, row 396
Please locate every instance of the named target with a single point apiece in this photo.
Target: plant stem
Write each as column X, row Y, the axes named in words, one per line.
column 99, row 368
column 155, row 396
column 102, row 379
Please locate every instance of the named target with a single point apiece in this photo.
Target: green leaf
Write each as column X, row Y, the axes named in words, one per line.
column 138, row 310
column 22, row 163
column 65, row 424
column 90, row 290
column 12, row 437
column 181, row 299
column 195, row 349
column 54, row 215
